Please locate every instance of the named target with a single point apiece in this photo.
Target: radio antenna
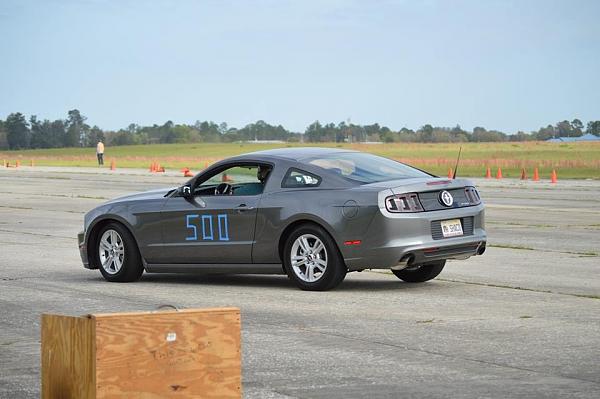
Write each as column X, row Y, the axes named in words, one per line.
column 457, row 160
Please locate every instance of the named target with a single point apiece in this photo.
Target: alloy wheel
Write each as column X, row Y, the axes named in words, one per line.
column 308, row 258
column 111, row 251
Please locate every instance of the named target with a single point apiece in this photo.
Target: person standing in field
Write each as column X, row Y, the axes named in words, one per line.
column 100, row 153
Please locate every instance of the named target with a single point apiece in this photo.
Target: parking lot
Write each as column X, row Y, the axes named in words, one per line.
column 521, row 321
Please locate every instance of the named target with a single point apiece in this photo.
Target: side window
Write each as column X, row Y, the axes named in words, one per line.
column 246, row 179
column 295, row 178
column 235, row 175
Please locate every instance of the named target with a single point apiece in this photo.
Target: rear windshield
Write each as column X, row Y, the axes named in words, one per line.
column 365, row 168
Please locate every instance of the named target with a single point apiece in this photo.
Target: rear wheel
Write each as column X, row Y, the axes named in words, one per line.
column 118, row 256
column 312, row 260
column 419, row 274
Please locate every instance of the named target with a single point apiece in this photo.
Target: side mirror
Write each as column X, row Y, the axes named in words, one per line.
column 186, row 191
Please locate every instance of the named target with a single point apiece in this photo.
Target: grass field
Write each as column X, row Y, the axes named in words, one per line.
column 572, row 160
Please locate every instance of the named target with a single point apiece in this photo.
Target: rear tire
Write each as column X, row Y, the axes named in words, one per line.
column 422, row 273
column 117, row 254
column 312, row 260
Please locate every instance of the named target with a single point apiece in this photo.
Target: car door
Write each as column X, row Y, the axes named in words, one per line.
column 212, row 229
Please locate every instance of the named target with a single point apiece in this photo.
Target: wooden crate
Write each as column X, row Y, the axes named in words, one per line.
column 180, row 354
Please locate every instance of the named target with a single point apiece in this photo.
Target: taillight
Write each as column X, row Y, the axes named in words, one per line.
column 403, row 203
column 472, row 196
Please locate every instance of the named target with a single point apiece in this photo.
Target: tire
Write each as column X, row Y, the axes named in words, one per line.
column 421, row 273
column 312, row 260
column 118, row 261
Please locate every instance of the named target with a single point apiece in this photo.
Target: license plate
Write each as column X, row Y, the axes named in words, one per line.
column 451, row 228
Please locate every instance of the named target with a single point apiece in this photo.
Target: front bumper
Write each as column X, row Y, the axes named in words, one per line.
column 405, row 240
column 83, row 249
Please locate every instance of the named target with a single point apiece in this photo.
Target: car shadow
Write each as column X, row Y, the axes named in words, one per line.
column 281, row 281
column 393, row 284
column 251, row 280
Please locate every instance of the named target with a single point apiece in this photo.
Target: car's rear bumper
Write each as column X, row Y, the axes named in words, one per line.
column 83, row 249
column 400, row 257
column 411, row 240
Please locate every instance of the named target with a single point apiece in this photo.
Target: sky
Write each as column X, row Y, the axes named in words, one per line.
column 505, row 65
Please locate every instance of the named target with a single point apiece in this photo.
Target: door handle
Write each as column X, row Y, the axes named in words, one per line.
column 199, row 202
column 243, row 208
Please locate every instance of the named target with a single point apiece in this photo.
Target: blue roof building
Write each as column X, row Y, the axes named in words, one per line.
column 585, row 137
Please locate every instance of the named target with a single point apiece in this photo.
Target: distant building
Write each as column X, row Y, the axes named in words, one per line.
column 585, row 137
column 264, row 141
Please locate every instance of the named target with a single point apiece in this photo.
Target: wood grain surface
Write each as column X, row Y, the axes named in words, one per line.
column 192, row 353
column 67, row 357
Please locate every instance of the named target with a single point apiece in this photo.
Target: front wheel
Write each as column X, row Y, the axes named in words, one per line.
column 312, row 259
column 420, row 274
column 118, row 256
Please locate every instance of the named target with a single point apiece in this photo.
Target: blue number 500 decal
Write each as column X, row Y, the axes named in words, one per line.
column 188, row 221
column 207, row 227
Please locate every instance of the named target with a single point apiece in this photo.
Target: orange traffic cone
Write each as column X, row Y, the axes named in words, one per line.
column 523, row 175
column 17, row 163
column 499, row 173
column 450, row 174
column 488, row 173
column 188, row 173
column 553, row 178
column 536, row 175
column 151, row 169
column 113, row 165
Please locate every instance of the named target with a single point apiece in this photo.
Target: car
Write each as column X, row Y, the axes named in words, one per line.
column 313, row 213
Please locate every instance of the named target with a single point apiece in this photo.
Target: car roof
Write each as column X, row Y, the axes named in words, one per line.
column 297, row 153
column 290, row 156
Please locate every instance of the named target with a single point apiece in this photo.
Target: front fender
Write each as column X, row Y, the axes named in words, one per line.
column 100, row 219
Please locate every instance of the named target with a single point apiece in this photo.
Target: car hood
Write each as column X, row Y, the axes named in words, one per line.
column 151, row 194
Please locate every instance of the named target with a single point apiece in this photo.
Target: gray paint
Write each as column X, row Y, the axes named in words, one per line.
column 346, row 209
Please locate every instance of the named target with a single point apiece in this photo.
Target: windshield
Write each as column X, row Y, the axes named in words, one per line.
column 365, row 168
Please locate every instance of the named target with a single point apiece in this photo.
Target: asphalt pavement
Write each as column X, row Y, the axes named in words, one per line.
column 523, row 320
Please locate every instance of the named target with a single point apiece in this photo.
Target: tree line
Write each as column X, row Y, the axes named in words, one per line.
column 18, row 132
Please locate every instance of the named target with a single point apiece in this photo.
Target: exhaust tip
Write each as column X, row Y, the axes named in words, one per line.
column 404, row 262
column 407, row 259
column 481, row 248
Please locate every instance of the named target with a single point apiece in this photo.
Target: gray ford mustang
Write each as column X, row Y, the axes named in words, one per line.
column 312, row 213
